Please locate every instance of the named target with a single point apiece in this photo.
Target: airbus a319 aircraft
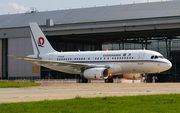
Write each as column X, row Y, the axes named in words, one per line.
column 94, row 64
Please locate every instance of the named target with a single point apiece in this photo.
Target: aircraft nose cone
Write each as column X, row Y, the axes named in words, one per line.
column 168, row 65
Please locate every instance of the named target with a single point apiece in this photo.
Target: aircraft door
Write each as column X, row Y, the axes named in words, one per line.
column 51, row 57
column 141, row 56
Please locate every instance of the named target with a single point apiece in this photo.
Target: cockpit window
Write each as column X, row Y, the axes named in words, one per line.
column 152, row 57
column 156, row 57
column 160, row 56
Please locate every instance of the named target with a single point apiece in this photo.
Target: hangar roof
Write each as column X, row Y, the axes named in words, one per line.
column 94, row 14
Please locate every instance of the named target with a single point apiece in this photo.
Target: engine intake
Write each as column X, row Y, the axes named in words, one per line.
column 96, row 73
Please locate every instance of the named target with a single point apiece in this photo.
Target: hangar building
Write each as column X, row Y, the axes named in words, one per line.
column 154, row 26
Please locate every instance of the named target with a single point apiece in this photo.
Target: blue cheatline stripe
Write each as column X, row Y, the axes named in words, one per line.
column 125, row 61
column 35, row 42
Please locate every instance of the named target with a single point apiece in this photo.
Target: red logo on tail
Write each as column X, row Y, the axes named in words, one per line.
column 40, row 42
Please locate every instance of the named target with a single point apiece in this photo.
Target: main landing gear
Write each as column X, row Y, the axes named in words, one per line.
column 83, row 80
column 109, row 80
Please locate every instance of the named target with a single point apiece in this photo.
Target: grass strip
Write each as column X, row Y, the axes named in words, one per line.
column 4, row 84
column 165, row 103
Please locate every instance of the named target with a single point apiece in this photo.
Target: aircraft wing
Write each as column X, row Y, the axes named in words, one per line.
column 21, row 57
column 39, row 61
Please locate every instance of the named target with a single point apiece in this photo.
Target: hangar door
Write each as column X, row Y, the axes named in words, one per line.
column 21, row 69
column 1, row 58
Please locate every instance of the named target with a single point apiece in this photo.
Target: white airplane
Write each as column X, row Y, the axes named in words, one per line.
column 94, row 64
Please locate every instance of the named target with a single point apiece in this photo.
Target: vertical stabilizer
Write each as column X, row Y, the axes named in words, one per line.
column 39, row 41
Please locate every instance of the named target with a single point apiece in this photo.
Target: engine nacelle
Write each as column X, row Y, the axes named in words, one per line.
column 96, row 73
column 133, row 76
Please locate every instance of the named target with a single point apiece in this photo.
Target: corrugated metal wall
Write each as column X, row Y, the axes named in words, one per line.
column 21, row 47
column 95, row 14
column 1, row 58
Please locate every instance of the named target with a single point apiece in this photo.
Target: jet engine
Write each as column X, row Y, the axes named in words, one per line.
column 133, row 76
column 96, row 73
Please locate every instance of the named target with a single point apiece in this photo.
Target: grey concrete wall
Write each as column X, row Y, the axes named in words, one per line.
column 21, row 47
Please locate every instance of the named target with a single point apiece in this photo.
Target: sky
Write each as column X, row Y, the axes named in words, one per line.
column 22, row 6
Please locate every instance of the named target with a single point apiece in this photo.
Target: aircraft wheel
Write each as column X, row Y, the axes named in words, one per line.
column 83, row 80
column 109, row 80
column 106, row 81
column 80, row 80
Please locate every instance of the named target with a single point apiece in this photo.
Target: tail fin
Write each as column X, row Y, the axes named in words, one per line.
column 39, row 41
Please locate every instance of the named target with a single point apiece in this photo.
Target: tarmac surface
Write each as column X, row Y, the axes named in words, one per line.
column 72, row 90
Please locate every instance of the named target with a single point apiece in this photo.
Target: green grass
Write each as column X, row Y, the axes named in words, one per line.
column 167, row 103
column 4, row 84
